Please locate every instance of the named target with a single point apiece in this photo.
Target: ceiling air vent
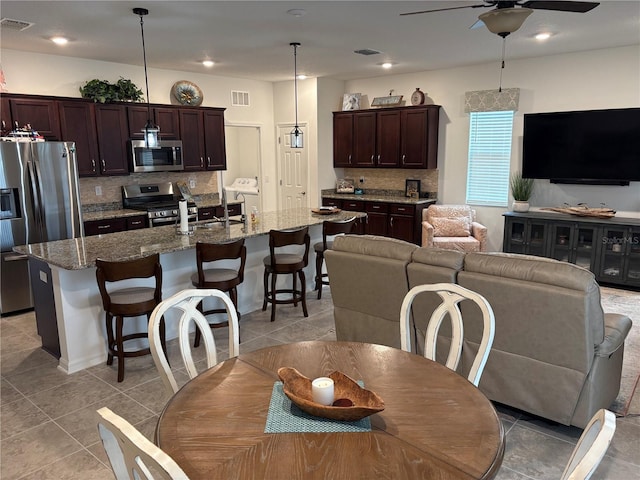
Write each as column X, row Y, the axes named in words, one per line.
column 366, row 51
column 239, row 99
column 12, row 24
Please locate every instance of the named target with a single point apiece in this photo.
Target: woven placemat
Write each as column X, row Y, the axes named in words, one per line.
column 285, row 417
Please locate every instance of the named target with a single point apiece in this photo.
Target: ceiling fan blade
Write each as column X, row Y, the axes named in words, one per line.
column 444, row 9
column 479, row 24
column 567, row 6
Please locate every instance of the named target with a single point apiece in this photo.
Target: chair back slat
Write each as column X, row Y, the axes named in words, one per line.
column 184, row 305
column 131, row 455
column 451, row 295
column 331, row 228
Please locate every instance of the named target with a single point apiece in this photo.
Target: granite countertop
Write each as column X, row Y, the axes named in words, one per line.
column 378, row 197
column 80, row 253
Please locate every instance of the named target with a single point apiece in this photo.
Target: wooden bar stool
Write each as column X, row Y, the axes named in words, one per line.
column 330, row 228
column 220, row 278
column 132, row 301
column 286, row 263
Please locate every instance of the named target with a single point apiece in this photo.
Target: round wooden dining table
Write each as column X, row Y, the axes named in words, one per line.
column 435, row 424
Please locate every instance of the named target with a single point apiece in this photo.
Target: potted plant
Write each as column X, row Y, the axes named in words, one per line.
column 521, row 190
column 128, row 91
column 102, row 91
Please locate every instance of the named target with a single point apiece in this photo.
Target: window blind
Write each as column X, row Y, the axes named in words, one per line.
column 490, row 138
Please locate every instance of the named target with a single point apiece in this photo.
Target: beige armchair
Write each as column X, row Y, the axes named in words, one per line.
column 453, row 227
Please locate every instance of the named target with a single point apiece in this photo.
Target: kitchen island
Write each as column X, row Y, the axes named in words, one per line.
column 68, row 272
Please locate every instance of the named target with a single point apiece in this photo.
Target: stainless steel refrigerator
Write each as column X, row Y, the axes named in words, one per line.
column 40, row 202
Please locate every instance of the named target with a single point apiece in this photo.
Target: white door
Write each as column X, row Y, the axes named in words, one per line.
column 292, row 172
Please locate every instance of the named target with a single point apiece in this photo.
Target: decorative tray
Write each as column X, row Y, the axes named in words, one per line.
column 326, row 210
column 359, row 402
column 584, row 211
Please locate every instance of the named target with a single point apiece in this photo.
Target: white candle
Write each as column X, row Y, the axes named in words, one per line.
column 322, row 390
column 184, row 217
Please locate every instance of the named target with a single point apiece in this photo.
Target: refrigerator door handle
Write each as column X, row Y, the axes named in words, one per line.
column 16, row 257
column 34, row 175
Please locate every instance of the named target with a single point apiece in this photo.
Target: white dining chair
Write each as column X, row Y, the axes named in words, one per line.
column 131, row 455
column 591, row 446
column 185, row 304
column 451, row 295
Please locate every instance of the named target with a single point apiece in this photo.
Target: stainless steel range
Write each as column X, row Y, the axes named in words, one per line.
column 159, row 201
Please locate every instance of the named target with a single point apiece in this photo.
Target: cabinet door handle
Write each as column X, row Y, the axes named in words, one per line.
column 208, row 161
column 373, row 157
column 391, row 222
column 349, row 158
column 378, row 157
column 104, row 165
column 93, row 165
column 102, row 227
column 403, row 157
column 201, row 162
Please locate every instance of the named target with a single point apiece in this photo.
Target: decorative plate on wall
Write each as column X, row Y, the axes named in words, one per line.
column 187, row 93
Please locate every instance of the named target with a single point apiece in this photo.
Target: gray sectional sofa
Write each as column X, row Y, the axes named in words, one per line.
column 556, row 354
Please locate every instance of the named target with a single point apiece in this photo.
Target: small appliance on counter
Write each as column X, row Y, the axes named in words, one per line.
column 345, row 185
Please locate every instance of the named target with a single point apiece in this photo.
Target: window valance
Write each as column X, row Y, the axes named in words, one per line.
column 492, row 100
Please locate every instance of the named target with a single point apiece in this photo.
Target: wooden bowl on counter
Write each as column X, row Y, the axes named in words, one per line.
column 357, row 402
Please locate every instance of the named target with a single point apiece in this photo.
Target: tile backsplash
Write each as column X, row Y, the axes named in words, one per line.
column 206, row 183
column 393, row 178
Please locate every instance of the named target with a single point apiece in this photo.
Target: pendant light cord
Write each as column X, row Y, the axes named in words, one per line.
column 504, row 43
column 146, row 78
column 295, row 77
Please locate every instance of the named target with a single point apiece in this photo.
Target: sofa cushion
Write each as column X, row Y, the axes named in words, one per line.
column 375, row 246
column 451, row 227
column 461, row 244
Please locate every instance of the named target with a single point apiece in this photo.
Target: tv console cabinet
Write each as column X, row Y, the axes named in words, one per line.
column 610, row 248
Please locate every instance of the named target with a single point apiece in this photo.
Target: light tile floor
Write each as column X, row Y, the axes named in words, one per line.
column 47, row 418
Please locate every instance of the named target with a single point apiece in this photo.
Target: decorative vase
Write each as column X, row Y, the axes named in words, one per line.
column 520, row 206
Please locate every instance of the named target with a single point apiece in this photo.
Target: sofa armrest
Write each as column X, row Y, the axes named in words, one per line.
column 616, row 329
column 427, row 234
column 479, row 232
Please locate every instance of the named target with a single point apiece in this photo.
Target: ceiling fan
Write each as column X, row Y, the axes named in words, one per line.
column 507, row 17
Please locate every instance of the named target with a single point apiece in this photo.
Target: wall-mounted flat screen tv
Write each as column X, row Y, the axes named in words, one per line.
column 597, row 147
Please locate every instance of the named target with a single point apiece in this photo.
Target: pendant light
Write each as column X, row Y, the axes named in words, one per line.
column 150, row 130
column 296, row 133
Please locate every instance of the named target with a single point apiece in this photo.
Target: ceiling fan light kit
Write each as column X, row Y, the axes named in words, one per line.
column 504, row 21
column 508, row 16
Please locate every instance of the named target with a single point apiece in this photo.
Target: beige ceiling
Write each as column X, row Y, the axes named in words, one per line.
column 251, row 39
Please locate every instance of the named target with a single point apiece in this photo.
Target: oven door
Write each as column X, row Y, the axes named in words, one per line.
column 162, row 221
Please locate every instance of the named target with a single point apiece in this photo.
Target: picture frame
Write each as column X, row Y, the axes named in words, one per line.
column 412, row 188
column 388, row 101
column 351, row 101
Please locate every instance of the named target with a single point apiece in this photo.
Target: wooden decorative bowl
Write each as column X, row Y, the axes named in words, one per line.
column 362, row 402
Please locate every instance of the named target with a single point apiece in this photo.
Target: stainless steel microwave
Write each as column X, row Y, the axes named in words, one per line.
column 166, row 157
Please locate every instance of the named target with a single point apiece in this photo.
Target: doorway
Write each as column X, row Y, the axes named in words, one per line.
column 293, row 170
column 244, row 160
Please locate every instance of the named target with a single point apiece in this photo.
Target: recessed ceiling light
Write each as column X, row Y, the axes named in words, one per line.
column 59, row 40
column 387, row 65
column 297, row 12
column 302, row 76
column 542, row 36
column 208, row 63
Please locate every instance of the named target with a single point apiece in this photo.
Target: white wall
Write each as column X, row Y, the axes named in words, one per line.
column 38, row 74
column 608, row 78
